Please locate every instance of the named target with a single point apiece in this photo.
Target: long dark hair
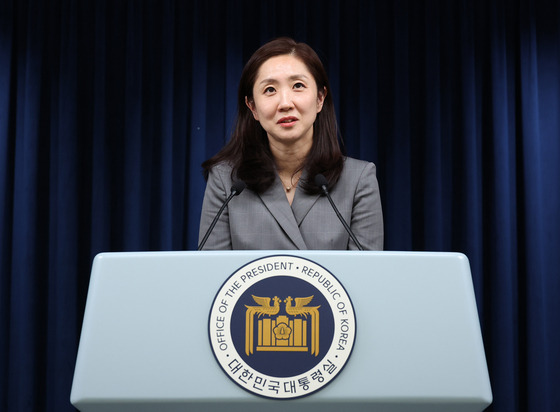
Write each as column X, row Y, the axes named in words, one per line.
column 248, row 151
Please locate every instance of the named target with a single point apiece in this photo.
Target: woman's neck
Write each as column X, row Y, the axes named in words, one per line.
column 289, row 159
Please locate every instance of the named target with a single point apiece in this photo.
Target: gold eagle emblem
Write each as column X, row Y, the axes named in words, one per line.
column 283, row 333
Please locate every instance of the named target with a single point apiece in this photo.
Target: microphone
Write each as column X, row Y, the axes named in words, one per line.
column 236, row 189
column 321, row 181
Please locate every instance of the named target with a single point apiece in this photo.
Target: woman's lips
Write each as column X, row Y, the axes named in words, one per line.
column 287, row 121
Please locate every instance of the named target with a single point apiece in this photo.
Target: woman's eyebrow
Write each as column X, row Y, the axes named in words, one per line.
column 292, row 77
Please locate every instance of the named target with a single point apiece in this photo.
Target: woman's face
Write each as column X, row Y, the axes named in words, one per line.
column 286, row 101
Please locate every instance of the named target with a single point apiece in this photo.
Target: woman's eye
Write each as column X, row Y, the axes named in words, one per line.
column 269, row 89
column 299, row 86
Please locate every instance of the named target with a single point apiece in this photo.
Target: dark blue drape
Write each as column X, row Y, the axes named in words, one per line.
column 107, row 109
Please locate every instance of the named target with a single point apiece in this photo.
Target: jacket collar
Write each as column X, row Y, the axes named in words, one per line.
column 289, row 217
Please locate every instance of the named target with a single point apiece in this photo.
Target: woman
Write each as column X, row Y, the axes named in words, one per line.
column 286, row 134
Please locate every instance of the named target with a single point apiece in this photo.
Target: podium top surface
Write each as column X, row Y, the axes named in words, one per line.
column 145, row 339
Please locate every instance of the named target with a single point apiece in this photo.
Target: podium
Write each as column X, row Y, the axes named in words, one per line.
column 145, row 342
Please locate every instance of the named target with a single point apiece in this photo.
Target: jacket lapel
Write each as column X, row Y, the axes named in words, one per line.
column 277, row 203
column 302, row 204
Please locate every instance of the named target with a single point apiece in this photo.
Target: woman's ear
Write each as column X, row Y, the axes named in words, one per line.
column 321, row 94
column 251, row 105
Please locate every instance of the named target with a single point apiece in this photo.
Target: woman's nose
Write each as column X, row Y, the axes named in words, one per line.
column 285, row 100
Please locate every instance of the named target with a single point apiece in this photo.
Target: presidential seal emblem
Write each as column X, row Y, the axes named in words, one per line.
column 282, row 327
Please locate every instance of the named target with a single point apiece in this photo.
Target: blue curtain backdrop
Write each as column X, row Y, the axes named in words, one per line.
column 107, row 109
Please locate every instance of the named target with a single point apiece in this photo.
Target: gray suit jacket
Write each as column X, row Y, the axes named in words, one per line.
column 267, row 221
